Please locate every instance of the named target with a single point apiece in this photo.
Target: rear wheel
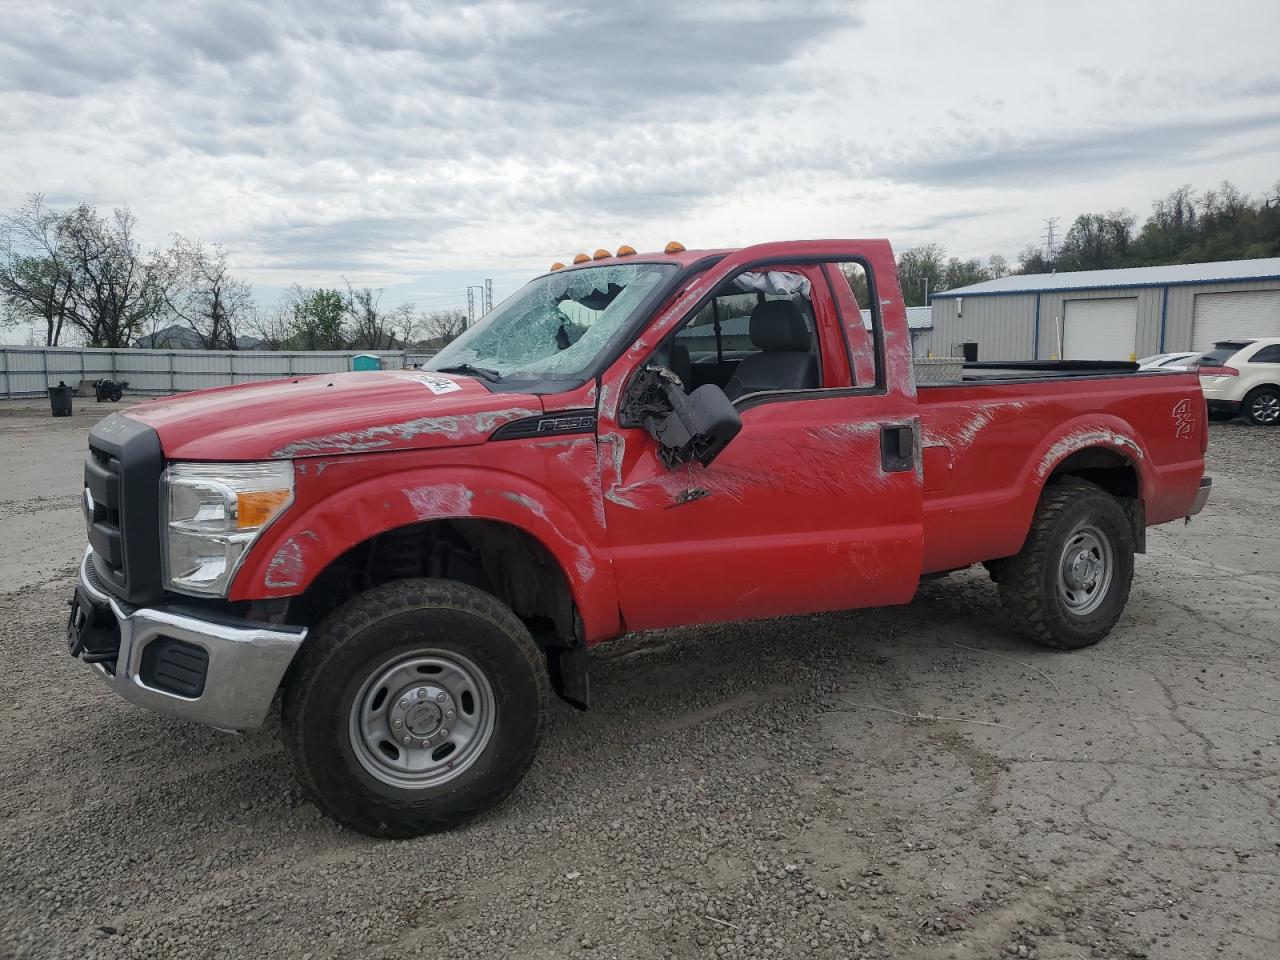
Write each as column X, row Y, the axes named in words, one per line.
column 1262, row 406
column 415, row 707
column 1068, row 585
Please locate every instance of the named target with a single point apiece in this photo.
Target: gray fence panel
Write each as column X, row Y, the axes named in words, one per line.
column 28, row 371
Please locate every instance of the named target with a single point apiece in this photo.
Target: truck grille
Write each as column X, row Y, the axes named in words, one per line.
column 122, row 509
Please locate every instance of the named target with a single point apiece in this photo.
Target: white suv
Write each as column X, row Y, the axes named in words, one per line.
column 1242, row 377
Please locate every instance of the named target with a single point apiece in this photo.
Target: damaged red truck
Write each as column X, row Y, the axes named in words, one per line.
column 413, row 559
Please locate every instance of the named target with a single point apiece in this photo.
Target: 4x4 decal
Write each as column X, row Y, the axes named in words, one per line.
column 1184, row 420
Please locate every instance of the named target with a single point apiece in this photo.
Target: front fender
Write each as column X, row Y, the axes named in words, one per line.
column 331, row 518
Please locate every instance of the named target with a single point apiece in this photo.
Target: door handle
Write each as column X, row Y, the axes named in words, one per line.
column 898, row 448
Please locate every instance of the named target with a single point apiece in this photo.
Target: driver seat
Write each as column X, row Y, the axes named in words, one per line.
column 786, row 361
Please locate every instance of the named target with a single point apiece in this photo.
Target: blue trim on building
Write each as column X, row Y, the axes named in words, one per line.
column 952, row 294
column 1164, row 316
column 1035, row 344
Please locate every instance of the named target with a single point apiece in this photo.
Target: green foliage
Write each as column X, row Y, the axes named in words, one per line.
column 1221, row 224
column 316, row 319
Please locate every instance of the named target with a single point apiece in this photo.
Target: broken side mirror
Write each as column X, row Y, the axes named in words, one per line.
column 699, row 426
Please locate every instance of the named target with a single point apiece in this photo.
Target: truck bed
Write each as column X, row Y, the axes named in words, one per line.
column 993, row 440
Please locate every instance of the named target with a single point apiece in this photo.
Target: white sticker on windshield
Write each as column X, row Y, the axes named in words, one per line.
column 436, row 384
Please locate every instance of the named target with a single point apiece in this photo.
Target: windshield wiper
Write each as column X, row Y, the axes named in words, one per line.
column 493, row 376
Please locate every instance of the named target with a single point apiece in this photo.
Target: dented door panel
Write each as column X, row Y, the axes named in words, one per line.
column 798, row 513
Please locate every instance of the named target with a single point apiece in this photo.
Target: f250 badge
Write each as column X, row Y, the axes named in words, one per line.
column 1184, row 420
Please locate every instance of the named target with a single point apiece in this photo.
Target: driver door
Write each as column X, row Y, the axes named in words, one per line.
column 803, row 511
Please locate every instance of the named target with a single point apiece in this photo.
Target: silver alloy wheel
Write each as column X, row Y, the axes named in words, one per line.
column 1265, row 408
column 1085, row 570
column 422, row 718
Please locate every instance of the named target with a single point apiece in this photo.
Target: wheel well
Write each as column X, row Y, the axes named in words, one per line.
column 493, row 556
column 1114, row 473
column 1110, row 470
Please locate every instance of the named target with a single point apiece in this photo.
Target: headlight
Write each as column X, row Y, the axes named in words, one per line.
column 213, row 513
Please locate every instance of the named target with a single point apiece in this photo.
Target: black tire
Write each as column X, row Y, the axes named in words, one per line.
column 1261, row 406
column 1035, row 587
column 401, row 619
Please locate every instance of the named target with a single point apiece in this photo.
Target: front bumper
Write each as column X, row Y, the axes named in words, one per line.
column 228, row 669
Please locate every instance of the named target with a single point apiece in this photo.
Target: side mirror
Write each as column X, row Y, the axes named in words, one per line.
column 699, row 426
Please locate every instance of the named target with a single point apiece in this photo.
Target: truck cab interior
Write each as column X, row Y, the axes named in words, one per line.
column 756, row 334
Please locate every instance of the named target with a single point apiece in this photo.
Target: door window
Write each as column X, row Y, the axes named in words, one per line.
column 1269, row 354
column 757, row 333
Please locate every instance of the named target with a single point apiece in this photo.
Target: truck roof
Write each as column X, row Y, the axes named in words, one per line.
column 681, row 256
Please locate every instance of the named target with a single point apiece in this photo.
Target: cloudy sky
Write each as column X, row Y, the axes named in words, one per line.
column 422, row 146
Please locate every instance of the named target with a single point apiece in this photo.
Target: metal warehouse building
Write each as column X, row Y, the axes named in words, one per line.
column 1106, row 314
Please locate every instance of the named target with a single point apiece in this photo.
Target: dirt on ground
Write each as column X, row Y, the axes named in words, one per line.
column 744, row 790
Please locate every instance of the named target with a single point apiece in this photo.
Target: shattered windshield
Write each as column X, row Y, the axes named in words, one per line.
column 556, row 326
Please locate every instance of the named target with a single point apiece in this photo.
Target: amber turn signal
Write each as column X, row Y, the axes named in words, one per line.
column 255, row 508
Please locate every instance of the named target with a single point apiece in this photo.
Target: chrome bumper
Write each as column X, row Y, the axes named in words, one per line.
column 245, row 662
column 1202, row 496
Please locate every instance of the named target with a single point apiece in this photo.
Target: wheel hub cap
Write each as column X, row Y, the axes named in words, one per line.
column 419, row 715
column 1266, row 409
column 1083, row 570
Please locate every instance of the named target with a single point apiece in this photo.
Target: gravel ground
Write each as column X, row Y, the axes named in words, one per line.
column 738, row 791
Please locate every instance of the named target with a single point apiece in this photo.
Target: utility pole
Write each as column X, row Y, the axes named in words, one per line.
column 488, row 294
column 1050, row 237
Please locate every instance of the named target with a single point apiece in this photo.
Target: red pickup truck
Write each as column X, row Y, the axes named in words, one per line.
column 413, row 558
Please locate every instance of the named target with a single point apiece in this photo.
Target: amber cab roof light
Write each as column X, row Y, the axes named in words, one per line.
column 580, row 258
column 601, row 254
column 625, row 251
column 675, row 246
column 557, row 265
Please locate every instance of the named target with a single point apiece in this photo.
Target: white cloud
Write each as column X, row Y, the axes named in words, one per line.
column 423, row 146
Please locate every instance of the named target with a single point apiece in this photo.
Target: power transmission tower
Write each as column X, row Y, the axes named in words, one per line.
column 488, row 294
column 1050, row 238
column 471, row 302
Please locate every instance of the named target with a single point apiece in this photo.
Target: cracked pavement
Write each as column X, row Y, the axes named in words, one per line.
column 738, row 790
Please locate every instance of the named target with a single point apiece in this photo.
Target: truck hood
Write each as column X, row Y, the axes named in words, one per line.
column 331, row 414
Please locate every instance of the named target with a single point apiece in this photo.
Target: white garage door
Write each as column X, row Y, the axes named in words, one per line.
column 1100, row 329
column 1226, row 316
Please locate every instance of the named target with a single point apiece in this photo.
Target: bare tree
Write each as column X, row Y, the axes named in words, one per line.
column 116, row 291
column 441, row 326
column 36, row 280
column 201, row 292
column 271, row 328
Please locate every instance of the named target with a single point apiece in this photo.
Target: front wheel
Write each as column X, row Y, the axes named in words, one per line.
column 1262, row 407
column 1068, row 585
column 414, row 707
